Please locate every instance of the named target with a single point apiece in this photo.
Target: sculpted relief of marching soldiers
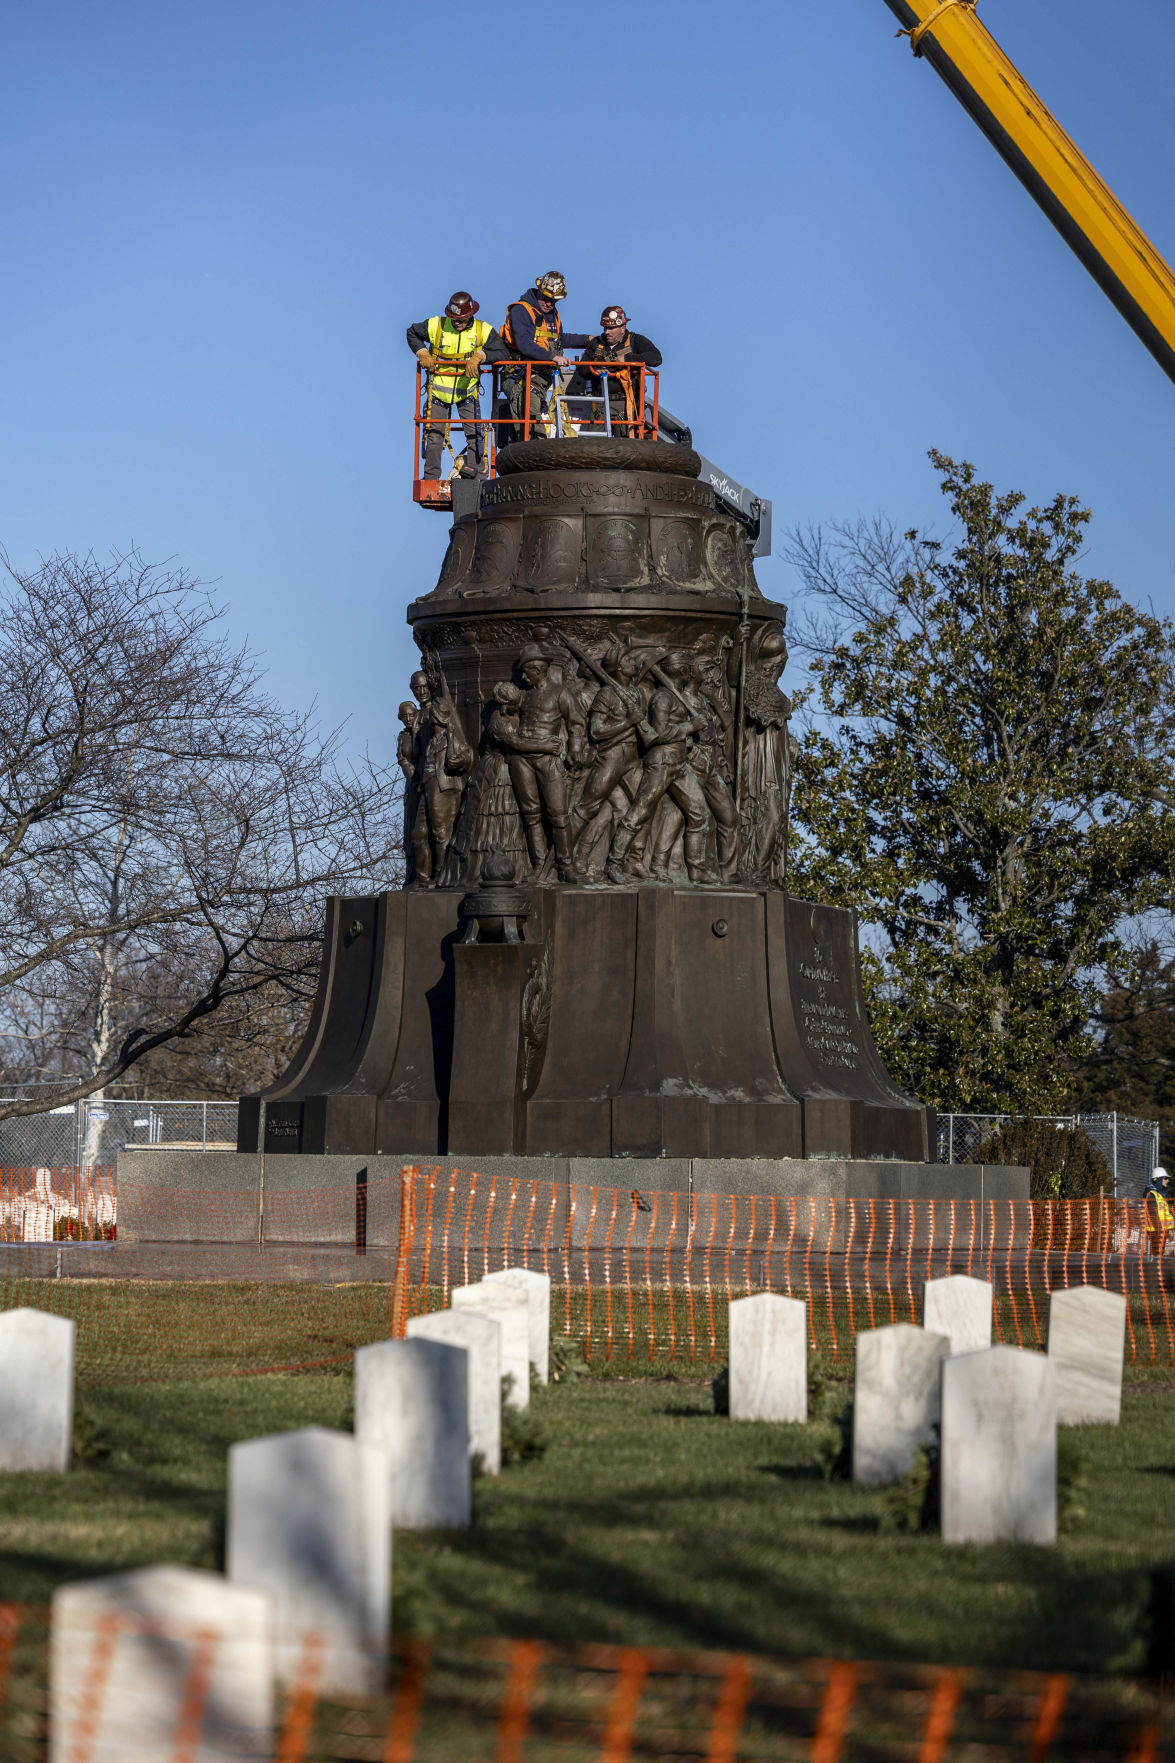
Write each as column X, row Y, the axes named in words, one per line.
column 637, row 764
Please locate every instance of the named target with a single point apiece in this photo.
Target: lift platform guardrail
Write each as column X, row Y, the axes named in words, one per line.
column 583, row 413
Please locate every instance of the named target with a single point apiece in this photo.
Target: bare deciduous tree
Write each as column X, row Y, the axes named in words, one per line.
column 167, row 831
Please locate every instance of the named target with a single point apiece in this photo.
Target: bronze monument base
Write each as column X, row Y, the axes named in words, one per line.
column 601, row 1022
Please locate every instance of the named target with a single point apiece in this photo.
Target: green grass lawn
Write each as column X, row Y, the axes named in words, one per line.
column 647, row 1519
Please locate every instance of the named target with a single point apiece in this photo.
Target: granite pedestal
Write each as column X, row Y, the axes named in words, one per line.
column 350, row 1205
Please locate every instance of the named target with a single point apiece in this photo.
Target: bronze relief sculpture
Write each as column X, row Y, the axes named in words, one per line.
column 637, row 733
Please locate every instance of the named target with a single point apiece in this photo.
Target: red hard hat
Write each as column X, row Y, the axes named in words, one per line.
column 613, row 315
column 462, row 305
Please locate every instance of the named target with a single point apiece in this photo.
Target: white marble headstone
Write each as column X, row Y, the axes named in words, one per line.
column 481, row 1337
column 412, row 1404
column 510, row 1306
column 960, row 1308
column 130, row 1654
column 36, row 1390
column 768, row 1369
column 999, row 1447
column 896, row 1399
column 308, row 1522
column 537, row 1287
column 1087, row 1344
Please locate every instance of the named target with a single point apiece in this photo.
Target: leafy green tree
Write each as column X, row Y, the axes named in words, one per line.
column 1130, row 1067
column 989, row 782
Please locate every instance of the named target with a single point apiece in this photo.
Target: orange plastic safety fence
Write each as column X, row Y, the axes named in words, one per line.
column 834, row 1712
column 294, row 1738
column 540, row 1701
column 631, row 1671
column 211, row 1281
column 940, row 1718
column 648, row 1277
column 61, row 1205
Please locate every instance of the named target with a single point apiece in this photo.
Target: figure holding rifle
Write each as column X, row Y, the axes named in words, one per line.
column 668, row 733
column 616, row 711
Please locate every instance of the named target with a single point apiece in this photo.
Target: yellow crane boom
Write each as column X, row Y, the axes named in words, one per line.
column 1116, row 252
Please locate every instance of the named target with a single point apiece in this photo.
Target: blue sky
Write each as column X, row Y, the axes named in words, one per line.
column 217, row 221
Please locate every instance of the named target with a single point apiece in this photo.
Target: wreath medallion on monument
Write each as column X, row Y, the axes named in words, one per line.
column 550, row 553
column 722, row 558
column 677, row 551
column 458, row 557
column 616, row 552
column 495, row 557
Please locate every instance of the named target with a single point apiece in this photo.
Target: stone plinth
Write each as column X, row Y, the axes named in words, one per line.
column 412, row 1404
column 1087, row 1344
column 896, row 1399
column 481, row 1339
column 960, row 1308
column 999, row 1448
column 309, row 1523
column 768, row 1358
column 129, row 1653
column 173, row 1199
column 36, row 1390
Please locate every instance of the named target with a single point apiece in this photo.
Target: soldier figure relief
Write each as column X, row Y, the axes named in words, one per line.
column 616, row 768
column 436, row 760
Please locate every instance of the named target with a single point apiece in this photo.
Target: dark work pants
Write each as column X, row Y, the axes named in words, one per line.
column 515, row 393
column 465, row 416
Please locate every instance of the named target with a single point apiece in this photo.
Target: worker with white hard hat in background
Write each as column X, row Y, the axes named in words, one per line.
column 533, row 331
column 452, row 347
column 615, row 346
column 1159, row 1216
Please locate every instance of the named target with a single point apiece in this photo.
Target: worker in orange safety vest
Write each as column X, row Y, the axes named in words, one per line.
column 533, row 331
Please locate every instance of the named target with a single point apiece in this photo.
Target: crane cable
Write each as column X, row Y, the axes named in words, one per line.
column 918, row 31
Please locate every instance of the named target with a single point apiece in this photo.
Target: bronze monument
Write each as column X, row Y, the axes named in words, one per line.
column 595, row 953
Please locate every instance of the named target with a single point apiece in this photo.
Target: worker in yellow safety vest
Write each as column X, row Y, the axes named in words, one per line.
column 452, row 347
column 533, row 331
column 1159, row 1216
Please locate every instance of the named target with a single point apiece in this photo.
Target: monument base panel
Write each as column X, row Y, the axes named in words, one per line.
column 638, row 1022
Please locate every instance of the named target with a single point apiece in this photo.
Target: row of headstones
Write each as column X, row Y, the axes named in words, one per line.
column 310, row 1521
column 996, row 1409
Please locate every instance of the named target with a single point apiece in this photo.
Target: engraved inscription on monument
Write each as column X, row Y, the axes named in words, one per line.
column 825, row 1015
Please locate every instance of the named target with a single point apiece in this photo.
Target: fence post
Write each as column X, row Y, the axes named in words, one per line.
column 204, row 1139
column 950, row 1138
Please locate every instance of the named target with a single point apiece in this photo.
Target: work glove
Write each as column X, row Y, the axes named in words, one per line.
column 426, row 359
column 475, row 361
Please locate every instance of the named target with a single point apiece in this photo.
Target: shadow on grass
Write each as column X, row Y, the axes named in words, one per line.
column 1068, row 1618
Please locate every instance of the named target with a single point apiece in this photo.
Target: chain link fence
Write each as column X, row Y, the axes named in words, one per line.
column 94, row 1132
column 1129, row 1146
